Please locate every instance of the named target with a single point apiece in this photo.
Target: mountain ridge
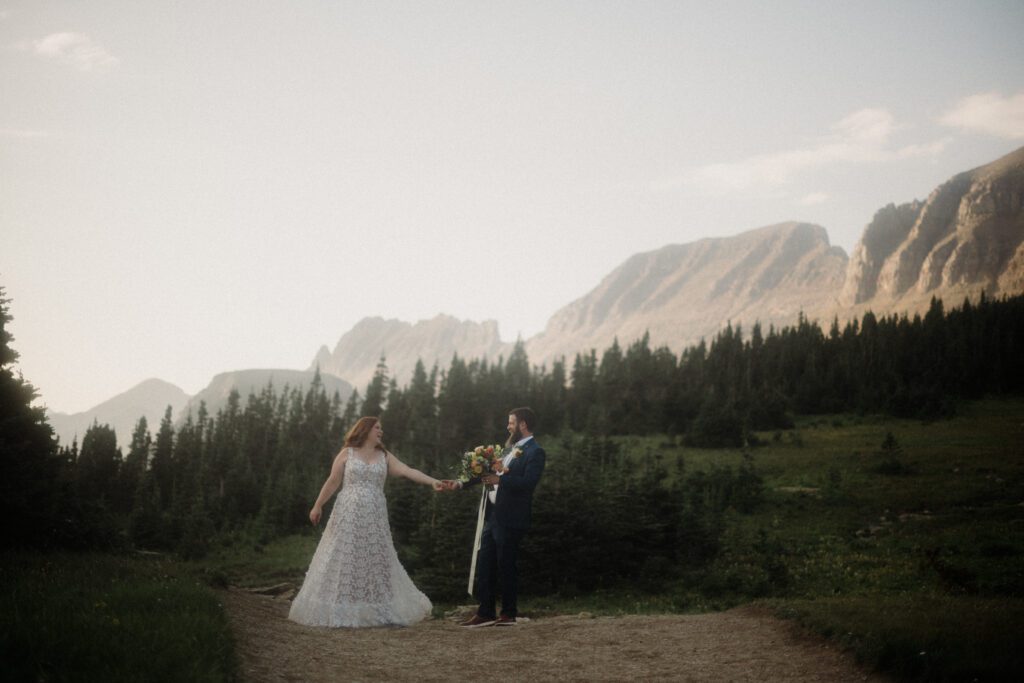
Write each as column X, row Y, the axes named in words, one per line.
column 151, row 398
column 253, row 380
column 401, row 344
column 965, row 238
column 682, row 293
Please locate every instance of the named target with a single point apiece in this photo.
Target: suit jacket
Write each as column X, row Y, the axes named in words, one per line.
column 515, row 492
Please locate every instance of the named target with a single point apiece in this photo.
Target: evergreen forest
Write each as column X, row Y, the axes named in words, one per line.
column 254, row 468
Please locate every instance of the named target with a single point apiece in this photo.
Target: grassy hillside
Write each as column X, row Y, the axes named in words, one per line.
column 905, row 549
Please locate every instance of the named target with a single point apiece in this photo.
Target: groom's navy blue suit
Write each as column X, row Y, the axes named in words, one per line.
column 507, row 520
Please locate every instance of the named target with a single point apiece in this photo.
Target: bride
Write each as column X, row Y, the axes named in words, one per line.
column 355, row 578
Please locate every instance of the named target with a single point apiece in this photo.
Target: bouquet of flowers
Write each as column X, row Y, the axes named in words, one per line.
column 479, row 461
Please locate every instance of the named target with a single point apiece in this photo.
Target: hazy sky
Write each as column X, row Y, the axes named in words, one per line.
column 193, row 187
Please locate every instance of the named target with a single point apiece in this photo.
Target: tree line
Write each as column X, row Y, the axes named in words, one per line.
column 256, row 465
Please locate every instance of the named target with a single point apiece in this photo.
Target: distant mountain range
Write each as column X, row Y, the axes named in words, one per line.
column 151, row 398
column 147, row 399
column 966, row 238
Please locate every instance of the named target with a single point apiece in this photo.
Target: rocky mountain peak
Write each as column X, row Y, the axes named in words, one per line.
column 964, row 239
column 322, row 358
column 684, row 292
column 886, row 231
column 401, row 344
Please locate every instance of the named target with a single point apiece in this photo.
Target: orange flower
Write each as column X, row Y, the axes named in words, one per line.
column 478, row 461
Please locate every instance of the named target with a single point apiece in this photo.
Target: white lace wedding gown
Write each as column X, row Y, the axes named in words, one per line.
column 355, row 578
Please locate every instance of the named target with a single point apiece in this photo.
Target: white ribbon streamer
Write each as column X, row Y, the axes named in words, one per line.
column 478, row 538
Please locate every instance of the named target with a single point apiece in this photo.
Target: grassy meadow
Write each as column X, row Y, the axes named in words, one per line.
column 99, row 617
column 909, row 554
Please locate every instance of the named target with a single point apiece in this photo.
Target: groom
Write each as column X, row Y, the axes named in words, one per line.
column 507, row 518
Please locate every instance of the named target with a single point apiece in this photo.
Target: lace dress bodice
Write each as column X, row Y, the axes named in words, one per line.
column 355, row 578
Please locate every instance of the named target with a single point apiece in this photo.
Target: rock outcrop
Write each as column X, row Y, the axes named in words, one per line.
column 357, row 353
column 967, row 238
column 886, row 231
column 682, row 293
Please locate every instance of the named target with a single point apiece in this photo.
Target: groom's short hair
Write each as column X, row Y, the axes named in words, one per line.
column 527, row 416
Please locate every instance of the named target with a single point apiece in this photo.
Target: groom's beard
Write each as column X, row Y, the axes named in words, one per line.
column 513, row 437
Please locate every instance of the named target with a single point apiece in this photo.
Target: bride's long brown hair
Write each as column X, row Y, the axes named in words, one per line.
column 360, row 432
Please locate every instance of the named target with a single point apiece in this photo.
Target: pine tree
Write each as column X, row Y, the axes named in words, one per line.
column 551, row 397
column 352, row 411
column 30, row 492
column 224, row 438
column 134, row 466
column 395, row 417
column 98, row 466
column 377, row 390
column 421, row 436
column 516, row 381
column 582, row 396
column 611, row 390
column 458, row 409
column 146, row 524
column 188, row 462
column 163, row 460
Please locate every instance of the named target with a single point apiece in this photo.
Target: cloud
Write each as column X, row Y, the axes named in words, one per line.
column 74, row 49
column 812, row 199
column 989, row 113
column 867, row 125
column 862, row 137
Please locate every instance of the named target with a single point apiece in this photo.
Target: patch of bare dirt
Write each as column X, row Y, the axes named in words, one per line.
column 743, row 644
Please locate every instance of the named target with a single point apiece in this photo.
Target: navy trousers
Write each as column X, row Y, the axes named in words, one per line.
column 499, row 550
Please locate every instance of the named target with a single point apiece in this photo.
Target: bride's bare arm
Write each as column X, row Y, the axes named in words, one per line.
column 334, row 480
column 398, row 468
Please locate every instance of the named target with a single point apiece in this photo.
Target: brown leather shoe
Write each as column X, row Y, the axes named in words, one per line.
column 505, row 621
column 476, row 621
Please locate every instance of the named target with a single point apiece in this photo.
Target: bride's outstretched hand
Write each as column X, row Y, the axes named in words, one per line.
column 438, row 485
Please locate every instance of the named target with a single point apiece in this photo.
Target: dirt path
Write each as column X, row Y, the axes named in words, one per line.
column 740, row 645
